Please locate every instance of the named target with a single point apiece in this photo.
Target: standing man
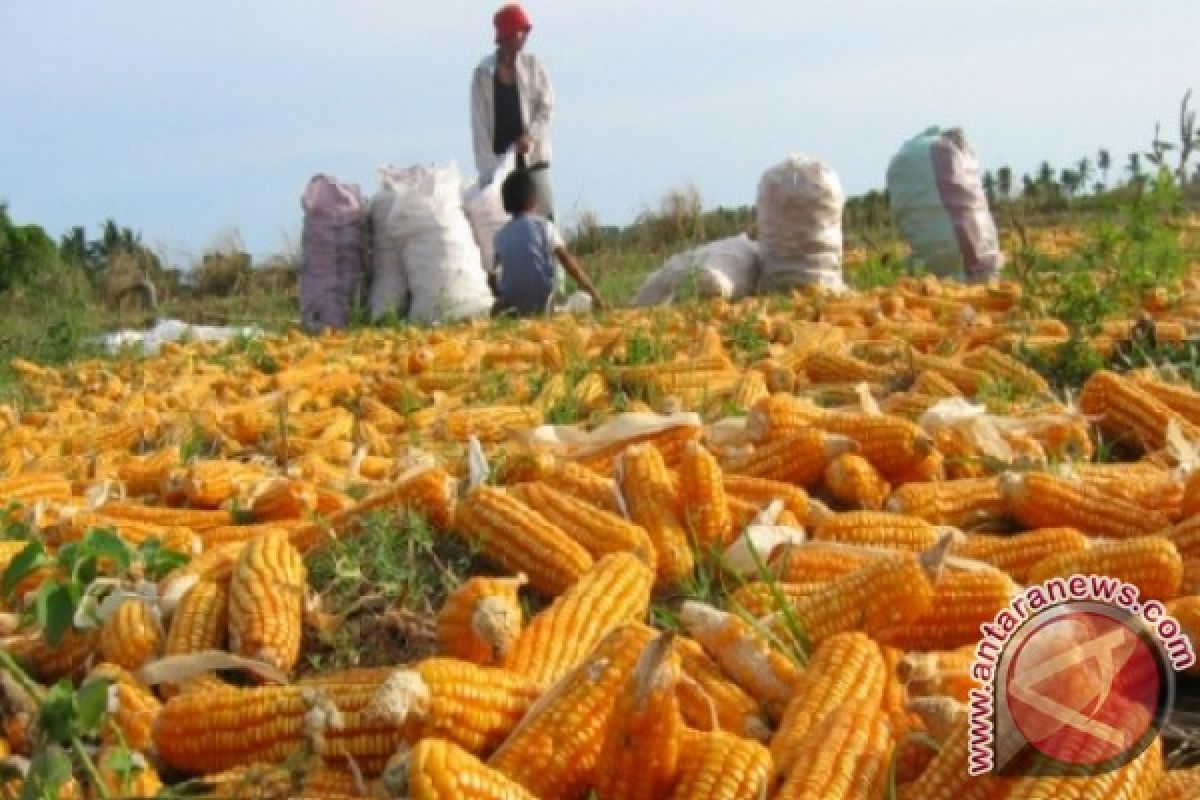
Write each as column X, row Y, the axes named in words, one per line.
column 512, row 102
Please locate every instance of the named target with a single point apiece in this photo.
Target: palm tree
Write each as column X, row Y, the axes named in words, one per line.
column 989, row 187
column 1068, row 179
column 1004, row 182
column 1083, row 171
column 1135, row 167
column 1045, row 175
column 1104, row 162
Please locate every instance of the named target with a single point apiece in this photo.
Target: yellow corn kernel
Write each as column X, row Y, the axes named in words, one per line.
column 702, row 497
column 1017, row 553
column 1129, row 414
column 852, row 480
column 136, row 708
column 554, row 750
column 639, row 759
column 720, row 766
column 799, row 458
column 266, row 601
column 616, row 591
column 598, row 530
column 966, row 503
column 521, row 540
column 844, row 668
column 1041, row 500
column 895, row 446
column 132, row 635
column 437, row 769
column 963, row 600
column 845, row 757
column 1151, row 563
column 878, row 529
column 651, row 499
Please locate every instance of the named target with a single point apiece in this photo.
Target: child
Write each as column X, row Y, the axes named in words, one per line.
column 527, row 277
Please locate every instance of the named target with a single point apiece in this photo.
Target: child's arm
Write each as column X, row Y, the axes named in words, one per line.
column 574, row 269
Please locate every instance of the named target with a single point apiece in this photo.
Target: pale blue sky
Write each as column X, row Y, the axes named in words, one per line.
column 184, row 119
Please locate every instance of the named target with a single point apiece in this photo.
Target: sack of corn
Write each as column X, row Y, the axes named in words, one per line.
column 800, row 225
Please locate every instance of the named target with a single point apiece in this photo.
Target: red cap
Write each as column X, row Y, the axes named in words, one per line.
column 510, row 21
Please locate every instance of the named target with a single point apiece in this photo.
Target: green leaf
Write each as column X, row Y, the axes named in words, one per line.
column 91, row 703
column 24, row 564
column 104, row 543
column 48, row 772
column 55, row 610
column 158, row 560
column 56, row 716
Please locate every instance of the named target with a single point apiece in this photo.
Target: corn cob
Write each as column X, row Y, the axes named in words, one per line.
column 474, row 707
column 708, row 700
column 894, row 445
column 818, row 562
column 651, row 500
column 744, row 654
column 590, row 391
column 1017, row 553
column 720, row 766
column 215, row 563
column 210, row 484
column 828, row 366
column 799, row 458
column 132, row 635
column 576, row 480
column 553, row 751
column 844, row 668
column 945, row 674
column 198, row 520
column 702, row 497
column 27, row 488
column 281, row 498
column 780, row 415
column 884, row 592
column 260, row 781
column 266, row 601
column 1190, row 503
column 140, row 781
column 1138, row 779
column 199, row 623
column 481, row 620
column 1186, row 611
column 962, row 503
column 1178, row 784
column 878, row 529
column 669, row 444
column 224, row 727
column 599, row 531
column 947, row 777
column 1181, row 399
column 489, row 424
column 1143, row 485
column 145, row 474
column 940, row 383
column 852, row 480
column 1149, row 562
column 437, row 769
column 70, row 658
column 233, row 534
column 758, row 599
column 751, row 389
column 761, row 492
column 639, row 759
column 614, row 592
column 1128, row 413
column 963, row 600
column 1041, row 500
column 1000, row 365
column 135, row 712
column 846, row 757
column 521, row 540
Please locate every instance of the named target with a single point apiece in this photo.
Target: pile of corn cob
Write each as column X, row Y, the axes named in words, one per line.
column 821, row 461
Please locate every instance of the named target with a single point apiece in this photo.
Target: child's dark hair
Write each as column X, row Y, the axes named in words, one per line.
column 519, row 192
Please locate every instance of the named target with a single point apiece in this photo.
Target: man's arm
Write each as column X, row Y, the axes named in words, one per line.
column 481, row 124
column 542, row 106
column 574, row 269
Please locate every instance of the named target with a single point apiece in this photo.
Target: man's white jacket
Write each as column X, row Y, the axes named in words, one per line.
column 537, row 107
